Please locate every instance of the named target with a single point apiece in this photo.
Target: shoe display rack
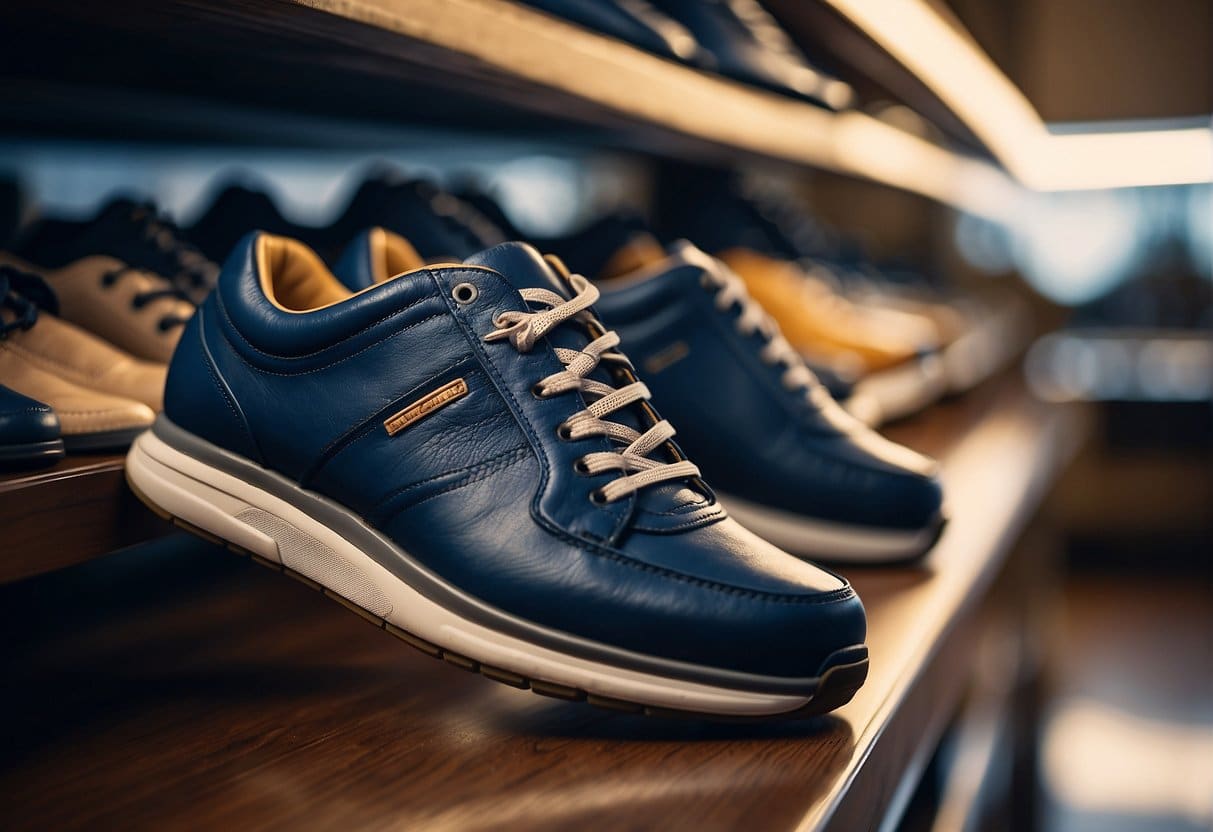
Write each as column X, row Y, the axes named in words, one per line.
column 315, row 72
column 373, row 73
column 409, row 741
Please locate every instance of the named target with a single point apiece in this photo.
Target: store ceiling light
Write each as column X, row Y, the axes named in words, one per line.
column 945, row 57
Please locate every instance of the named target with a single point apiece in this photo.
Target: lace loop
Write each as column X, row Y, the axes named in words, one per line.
column 23, row 295
column 730, row 291
column 142, row 299
column 177, row 258
column 632, row 462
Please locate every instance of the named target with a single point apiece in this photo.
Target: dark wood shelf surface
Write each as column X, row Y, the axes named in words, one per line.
column 186, row 688
column 372, row 73
column 78, row 509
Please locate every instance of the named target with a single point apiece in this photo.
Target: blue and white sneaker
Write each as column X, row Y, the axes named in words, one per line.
column 462, row 456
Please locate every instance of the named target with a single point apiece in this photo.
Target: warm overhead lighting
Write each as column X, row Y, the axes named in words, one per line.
column 1076, row 161
column 945, row 58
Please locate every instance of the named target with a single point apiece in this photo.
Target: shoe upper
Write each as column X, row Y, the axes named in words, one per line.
column 24, row 421
column 91, row 386
column 135, row 310
column 541, row 482
column 133, row 232
column 750, row 412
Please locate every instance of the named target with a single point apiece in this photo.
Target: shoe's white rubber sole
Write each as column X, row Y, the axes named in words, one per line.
column 898, row 392
column 251, row 519
column 831, row 542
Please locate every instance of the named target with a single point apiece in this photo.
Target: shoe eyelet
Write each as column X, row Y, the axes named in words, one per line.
column 581, row 468
column 597, row 497
column 465, row 293
column 538, row 392
column 564, row 432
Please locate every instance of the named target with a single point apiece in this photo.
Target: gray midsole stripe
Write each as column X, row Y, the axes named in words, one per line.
column 387, row 554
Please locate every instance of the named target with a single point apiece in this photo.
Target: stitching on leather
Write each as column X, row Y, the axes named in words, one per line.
column 504, row 391
column 298, row 373
column 370, row 423
column 44, row 361
column 519, row 417
column 685, row 508
column 454, row 472
column 711, row 517
column 471, row 477
column 208, row 360
column 370, row 326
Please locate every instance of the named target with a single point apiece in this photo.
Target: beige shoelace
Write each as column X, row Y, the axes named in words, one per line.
column 524, row 329
column 730, row 289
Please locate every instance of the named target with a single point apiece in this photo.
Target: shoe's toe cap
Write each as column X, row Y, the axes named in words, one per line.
column 746, row 605
column 25, row 421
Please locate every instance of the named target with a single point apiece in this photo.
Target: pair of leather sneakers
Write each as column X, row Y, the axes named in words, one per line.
column 462, row 453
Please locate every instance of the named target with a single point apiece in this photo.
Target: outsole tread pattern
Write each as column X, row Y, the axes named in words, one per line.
column 835, row 688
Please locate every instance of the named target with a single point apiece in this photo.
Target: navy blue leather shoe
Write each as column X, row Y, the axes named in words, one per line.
column 461, row 454
column 29, row 431
column 134, row 232
column 789, row 462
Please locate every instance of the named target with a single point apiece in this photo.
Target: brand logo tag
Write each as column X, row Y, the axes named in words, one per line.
column 444, row 395
column 666, row 356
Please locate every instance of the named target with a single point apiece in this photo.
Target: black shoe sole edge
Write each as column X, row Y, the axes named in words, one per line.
column 836, row 685
column 31, row 454
column 108, row 440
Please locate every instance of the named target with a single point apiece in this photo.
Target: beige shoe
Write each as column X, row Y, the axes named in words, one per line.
column 135, row 310
column 35, row 339
column 88, row 420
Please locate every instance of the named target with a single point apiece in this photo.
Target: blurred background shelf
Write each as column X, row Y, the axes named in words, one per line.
column 371, row 72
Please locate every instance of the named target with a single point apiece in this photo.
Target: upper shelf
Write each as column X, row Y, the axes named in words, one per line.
column 366, row 72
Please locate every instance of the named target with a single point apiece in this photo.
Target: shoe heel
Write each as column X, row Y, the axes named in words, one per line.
column 156, row 479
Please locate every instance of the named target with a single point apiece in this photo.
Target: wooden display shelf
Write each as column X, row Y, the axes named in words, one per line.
column 370, row 72
column 76, row 510
column 201, row 691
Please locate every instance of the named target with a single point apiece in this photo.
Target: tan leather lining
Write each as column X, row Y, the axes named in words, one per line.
column 294, row 278
column 392, row 255
column 638, row 252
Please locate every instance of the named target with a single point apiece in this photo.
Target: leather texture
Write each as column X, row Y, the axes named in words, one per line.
column 81, row 411
column 59, row 348
column 132, row 309
column 751, row 436
column 747, row 44
column 24, row 421
column 482, row 491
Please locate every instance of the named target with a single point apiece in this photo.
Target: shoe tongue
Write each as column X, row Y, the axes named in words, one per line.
column 522, row 266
